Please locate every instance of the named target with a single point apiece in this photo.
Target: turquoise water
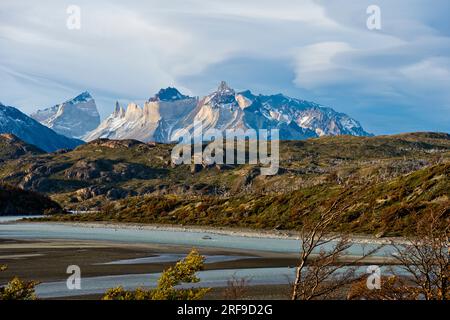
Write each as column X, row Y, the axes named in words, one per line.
column 209, row 278
column 185, row 238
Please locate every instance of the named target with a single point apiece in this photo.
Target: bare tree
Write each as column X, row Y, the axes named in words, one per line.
column 425, row 259
column 323, row 274
column 237, row 288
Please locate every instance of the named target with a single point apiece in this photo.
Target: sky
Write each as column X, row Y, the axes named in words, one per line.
column 394, row 79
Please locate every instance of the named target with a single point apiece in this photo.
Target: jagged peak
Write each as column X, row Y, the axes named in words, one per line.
column 118, row 110
column 224, row 95
column 223, row 88
column 168, row 94
column 82, row 97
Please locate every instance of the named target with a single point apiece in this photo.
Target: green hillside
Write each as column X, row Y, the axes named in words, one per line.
column 386, row 208
column 388, row 180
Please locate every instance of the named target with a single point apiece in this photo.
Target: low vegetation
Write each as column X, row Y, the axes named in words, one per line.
column 390, row 208
column 17, row 289
column 390, row 182
column 184, row 272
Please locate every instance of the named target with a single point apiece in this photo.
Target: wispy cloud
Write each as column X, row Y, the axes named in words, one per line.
column 393, row 80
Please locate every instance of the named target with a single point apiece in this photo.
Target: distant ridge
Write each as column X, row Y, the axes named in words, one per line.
column 13, row 121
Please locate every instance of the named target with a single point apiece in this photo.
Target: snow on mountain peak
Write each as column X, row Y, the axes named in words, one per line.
column 13, row 121
column 168, row 94
column 72, row 118
column 170, row 112
column 225, row 89
column 224, row 96
column 82, row 97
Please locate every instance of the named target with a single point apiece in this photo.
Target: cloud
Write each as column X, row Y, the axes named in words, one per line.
column 314, row 49
column 316, row 65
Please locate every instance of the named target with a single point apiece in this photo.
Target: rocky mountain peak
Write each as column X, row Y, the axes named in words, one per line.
column 225, row 89
column 223, row 96
column 82, row 97
column 72, row 118
column 118, row 110
column 168, row 94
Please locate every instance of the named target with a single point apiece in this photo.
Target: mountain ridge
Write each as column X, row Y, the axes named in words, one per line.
column 223, row 109
column 13, row 121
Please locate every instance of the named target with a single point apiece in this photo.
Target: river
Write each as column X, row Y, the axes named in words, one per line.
column 211, row 278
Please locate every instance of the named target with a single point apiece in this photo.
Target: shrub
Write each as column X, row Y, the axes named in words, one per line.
column 17, row 289
column 183, row 272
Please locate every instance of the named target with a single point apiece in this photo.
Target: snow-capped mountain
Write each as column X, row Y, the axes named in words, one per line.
column 153, row 122
column 225, row 109
column 164, row 116
column 308, row 115
column 73, row 118
column 15, row 122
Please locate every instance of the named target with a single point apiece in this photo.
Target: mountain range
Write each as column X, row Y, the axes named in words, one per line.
column 13, row 121
column 165, row 115
column 169, row 112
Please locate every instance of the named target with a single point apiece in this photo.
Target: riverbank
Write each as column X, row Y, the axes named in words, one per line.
column 240, row 232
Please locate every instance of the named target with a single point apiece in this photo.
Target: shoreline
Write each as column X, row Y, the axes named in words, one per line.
column 240, row 232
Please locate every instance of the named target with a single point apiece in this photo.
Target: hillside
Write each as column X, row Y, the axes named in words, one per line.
column 390, row 180
column 12, row 147
column 15, row 201
column 110, row 169
column 385, row 209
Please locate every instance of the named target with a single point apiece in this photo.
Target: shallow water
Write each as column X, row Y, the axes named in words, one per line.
column 185, row 238
column 174, row 257
column 209, row 278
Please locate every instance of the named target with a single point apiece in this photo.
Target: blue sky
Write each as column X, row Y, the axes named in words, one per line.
column 392, row 80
